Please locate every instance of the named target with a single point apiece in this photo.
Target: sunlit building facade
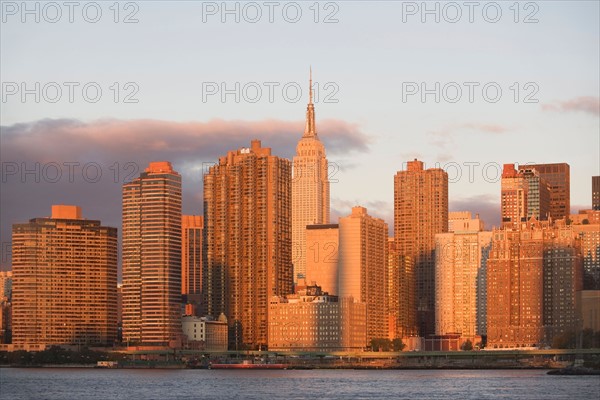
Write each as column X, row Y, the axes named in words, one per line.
column 322, row 252
column 533, row 275
column 152, row 256
column 363, row 265
column 64, row 280
column 558, row 177
column 248, row 247
column 313, row 320
column 421, row 212
column 460, row 278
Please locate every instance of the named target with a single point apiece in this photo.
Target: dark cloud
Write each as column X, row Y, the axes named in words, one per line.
column 65, row 161
column 487, row 206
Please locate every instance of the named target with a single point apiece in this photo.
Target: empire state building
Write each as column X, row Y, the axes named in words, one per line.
column 310, row 188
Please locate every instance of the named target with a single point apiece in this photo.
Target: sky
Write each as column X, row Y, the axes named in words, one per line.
column 91, row 93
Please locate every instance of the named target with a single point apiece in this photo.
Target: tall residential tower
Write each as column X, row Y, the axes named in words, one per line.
column 152, row 256
column 248, row 241
column 421, row 212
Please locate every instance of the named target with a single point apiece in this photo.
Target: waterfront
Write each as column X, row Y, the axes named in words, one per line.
column 82, row 383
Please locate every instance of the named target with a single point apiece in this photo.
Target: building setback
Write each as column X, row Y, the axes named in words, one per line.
column 421, row 212
column 64, row 281
column 310, row 188
column 247, row 248
column 152, row 256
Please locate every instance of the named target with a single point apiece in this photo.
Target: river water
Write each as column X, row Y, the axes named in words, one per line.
column 131, row 384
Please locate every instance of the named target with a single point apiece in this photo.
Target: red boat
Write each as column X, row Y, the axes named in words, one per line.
column 248, row 364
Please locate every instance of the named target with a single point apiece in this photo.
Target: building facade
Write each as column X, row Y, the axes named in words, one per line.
column 313, row 320
column 533, row 274
column 192, row 227
column 558, row 176
column 248, row 240
column 322, row 250
column 211, row 334
column 363, row 265
column 513, row 197
column 421, row 212
column 152, row 256
column 400, row 294
column 460, row 278
column 64, row 280
column 310, row 188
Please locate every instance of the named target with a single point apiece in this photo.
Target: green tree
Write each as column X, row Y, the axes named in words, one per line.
column 398, row 345
column 467, row 345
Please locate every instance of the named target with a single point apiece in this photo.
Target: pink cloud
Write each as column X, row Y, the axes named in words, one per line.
column 586, row 104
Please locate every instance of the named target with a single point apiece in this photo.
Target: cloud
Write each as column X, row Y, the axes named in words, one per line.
column 445, row 136
column 67, row 161
column 376, row 208
column 585, row 104
column 487, row 206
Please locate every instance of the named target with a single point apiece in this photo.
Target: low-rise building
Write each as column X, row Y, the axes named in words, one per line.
column 205, row 333
column 312, row 320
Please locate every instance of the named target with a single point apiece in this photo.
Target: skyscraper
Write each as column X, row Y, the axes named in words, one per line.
column 420, row 212
column 460, row 272
column 363, row 265
column 248, row 240
column 558, row 177
column 310, row 188
column 191, row 258
column 152, row 256
column 513, row 200
column 64, row 280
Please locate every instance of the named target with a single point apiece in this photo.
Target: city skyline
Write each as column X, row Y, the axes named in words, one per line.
column 369, row 132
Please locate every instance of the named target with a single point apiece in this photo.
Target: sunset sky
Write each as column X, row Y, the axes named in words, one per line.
column 172, row 55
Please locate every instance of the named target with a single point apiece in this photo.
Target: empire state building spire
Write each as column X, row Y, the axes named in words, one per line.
column 310, row 130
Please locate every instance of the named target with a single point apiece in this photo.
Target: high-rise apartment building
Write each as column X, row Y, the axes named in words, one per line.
column 533, row 274
column 421, row 212
column 460, row 277
column 596, row 193
column 64, row 280
column 558, row 177
column 400, row 294
column 363, row 265
column 191, row 258
column 248, row 240
column 322, row 250
column 152, row 256
column 310, row 188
